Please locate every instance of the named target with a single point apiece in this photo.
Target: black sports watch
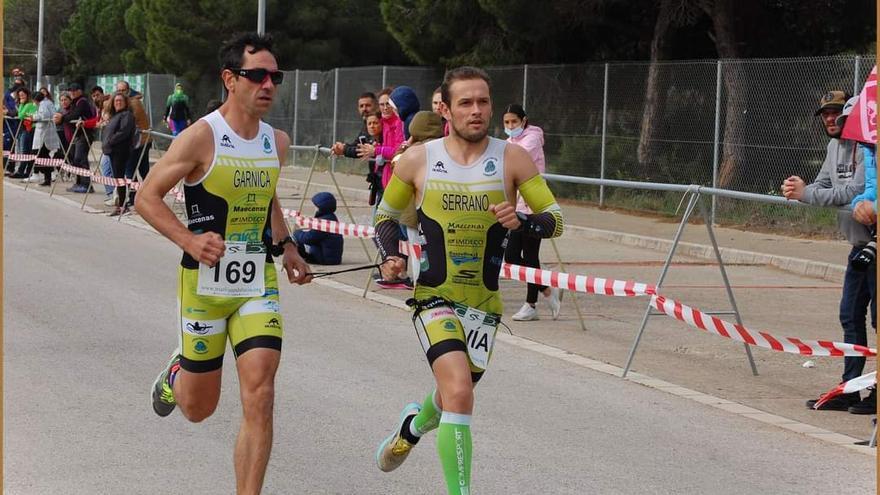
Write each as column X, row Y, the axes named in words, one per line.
column 523, row 221
column 278, row 249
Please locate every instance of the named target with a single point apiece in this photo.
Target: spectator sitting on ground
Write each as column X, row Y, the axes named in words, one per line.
column 177, row 112
column 839, row 180
column 392, row 136
column 366, row 105
column 315, row 246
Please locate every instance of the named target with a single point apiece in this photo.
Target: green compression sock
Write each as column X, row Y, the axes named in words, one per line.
column 454, row 447
column 428, row 418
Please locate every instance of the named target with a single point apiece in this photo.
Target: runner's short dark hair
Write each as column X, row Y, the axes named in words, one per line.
column 460, row 74
column 367, row 94
column 232, row 53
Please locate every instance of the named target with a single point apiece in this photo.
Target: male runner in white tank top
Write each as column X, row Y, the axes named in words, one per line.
column 229, row 161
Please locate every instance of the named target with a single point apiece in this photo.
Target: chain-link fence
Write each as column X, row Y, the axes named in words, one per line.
column 743, row 125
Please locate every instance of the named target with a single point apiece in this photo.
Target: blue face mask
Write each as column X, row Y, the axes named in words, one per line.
column 516, row 131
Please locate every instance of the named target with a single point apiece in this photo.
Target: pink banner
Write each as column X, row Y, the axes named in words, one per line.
column 861, row 125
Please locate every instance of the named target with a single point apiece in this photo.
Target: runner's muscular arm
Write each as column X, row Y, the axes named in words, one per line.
column 188, row 156
column 400, row 191
column 297, row 269
column 521, row 174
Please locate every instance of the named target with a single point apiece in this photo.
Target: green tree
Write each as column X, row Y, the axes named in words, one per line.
column 495, row 32
column 20, row 34
column 95, row 37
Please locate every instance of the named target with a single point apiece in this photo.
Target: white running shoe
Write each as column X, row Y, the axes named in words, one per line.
column 554, row 300
column 526, row 313
column 394, row 449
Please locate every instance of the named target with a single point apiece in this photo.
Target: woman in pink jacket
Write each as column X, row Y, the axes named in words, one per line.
column 523, row 250
column 392, row 137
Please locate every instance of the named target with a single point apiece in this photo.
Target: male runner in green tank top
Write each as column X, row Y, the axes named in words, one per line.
column 464, row 187
column 229, row 162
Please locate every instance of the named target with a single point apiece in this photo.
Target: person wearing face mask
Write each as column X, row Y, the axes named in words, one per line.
column 524, row 250
column 840, row 179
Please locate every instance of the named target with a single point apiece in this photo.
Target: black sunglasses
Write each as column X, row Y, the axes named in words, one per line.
column 259, row 75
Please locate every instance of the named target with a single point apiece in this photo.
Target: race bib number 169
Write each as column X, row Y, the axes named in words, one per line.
column 239, row 273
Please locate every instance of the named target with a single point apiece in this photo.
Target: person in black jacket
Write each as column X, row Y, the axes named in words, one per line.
column 321, row 248
column 117, row 143
column 80, row 110
column 366, row 105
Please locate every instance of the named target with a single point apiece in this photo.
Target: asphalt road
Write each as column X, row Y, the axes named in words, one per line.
column 90, row 318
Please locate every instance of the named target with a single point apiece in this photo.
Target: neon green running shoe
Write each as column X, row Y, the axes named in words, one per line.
column 162, row 394
column 394, row 449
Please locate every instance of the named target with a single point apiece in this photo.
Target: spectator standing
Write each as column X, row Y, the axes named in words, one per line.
column 374, row 165
column 80, row 110
column 48, row 94
column 392, row 136
column 437, row 107
column 11, row 123
column 177, row 112
column 102, row 104
column 26, row 110
column 98, row 97
column 524, row 250
column 315, row 246
column 65, row 132
column 139, row 159
column 118, row 136
column 406, row 104
column 366, row 105
column 46, row 141
column 839, row 180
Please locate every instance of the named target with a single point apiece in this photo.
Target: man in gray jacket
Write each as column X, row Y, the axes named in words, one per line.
column 841, row 178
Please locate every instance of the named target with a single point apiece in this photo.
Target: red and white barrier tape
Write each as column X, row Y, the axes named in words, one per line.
column 855, row 385
column 577, row 283
column 717, row 326
column 342, row 228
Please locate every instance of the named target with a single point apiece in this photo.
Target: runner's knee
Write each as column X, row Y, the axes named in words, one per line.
column 198, row 410
column 258, row 401
column 458, row 397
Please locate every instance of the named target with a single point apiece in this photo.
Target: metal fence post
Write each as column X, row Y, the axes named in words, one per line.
column 525, row 85
column 384, row 75
column 716, row 146
column 856, row 74
column 604, row 125
column 295, row 109
column 335, row 106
